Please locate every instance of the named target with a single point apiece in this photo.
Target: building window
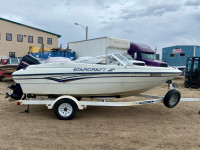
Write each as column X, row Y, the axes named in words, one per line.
column 19, row 38
column 171, row 55
column 30, row 39
column 40, row 40
column 182, row 54
column 49, row 40
column 8, row 37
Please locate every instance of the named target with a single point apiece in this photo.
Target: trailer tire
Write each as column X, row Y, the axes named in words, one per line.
column 65, row 109
column 1, row 79
column 172, row 98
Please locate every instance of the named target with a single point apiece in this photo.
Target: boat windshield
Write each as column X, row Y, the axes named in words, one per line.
column 123, row 58
column 128, row 56
column 110, row 59
column 148, row 56
column 13, row 60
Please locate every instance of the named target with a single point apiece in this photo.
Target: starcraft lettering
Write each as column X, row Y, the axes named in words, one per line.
column 89, row 69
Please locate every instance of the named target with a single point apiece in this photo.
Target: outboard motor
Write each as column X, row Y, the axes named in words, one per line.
column 26, row 61
column 17, row 90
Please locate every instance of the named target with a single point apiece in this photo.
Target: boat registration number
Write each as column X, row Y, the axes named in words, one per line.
column 155, row 75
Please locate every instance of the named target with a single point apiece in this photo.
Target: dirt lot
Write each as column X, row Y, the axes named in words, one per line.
column 151, row 126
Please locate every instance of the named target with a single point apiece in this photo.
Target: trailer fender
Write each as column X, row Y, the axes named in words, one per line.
column 1, row 76
column 50, row 106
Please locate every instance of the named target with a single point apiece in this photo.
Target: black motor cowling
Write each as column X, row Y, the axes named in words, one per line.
column 17, row 90
column 28, row 60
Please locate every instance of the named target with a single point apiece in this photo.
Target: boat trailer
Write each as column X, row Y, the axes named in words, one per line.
column 65, row 106
column 2, row 76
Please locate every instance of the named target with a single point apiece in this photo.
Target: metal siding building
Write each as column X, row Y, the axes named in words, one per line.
column 176, row 56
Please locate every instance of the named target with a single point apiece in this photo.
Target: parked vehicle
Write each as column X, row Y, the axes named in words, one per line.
column 7, row 68
column 192, row 73
column 144, row 53
column 33, row 49
column 99, row 46
column 109, row 45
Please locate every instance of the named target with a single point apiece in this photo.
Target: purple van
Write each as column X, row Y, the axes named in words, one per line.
column 144, row 53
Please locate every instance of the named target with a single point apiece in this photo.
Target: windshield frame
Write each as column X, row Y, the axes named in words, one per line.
column 121, row 59
column 110, row 59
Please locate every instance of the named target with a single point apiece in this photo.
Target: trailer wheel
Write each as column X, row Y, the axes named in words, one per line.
column 172, row 98
column 65, row 109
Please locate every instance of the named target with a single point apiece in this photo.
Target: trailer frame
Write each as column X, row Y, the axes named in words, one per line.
column 2, row 76
column 50, row 102
column 65, row 106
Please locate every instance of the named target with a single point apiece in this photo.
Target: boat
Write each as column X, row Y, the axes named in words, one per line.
column 114, row 75
column 8, row 66
column 8, row 69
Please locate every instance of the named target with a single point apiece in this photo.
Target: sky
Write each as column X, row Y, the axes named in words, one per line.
column 157, row 23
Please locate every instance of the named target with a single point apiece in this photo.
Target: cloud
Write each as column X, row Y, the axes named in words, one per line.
column 153, row 9
column 105, row 22
column 192, row 3
column 153, row 22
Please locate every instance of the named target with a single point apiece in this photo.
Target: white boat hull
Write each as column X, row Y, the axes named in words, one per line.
column 97, row 84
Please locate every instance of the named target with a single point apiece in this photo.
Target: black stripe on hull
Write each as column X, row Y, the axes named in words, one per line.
column 69, row 79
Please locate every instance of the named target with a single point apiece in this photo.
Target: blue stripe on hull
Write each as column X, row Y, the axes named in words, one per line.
column 98, row 73
column 80, row 78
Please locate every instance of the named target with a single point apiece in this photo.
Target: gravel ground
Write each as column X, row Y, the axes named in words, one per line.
column 145, row 127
